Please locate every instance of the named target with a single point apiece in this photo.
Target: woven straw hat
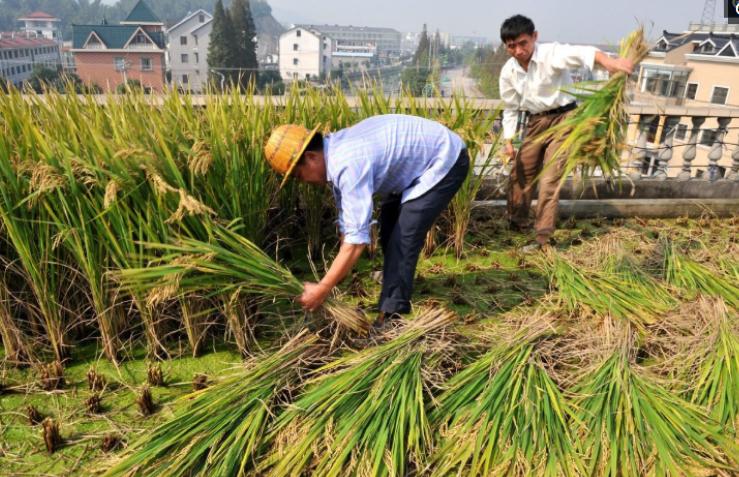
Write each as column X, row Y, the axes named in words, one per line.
column 285, row 146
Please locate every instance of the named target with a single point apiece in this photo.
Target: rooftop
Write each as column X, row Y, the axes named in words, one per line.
column 38, row 15
column 141, row 13
column 13, row 40
column 113, row 36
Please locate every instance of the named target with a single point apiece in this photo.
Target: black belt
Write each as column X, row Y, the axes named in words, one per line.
column 559, row 110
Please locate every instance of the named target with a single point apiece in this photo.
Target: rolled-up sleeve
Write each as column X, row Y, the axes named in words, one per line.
column 510, row 99
column 354, row 186
column 566, row 57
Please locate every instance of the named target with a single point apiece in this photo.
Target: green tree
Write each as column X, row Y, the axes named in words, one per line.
column 221, row 51
column 245, row 32
column 422, row 55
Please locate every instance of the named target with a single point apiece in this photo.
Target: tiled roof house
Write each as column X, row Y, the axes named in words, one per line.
column 109, row 55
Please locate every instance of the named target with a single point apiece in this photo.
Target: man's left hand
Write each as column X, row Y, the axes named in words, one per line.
column 619, row 65
column 314, row 294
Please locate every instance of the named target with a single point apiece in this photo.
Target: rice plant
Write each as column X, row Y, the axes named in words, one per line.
column 626, row 295
column 362, row 414
column 629, row 424
column 593, row 136
column 503, row 414
column 229, row 265
column 695, row 278
column 219, row 430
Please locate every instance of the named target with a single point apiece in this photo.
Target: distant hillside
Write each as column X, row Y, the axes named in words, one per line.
column 170, row 12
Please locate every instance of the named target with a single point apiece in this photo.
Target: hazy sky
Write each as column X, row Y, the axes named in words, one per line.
column 591, row 21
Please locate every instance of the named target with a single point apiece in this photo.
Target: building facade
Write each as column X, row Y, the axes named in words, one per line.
column 111, row 55
column 187, row 51
column 305, row 54
column 386, row 40
column 20, row 52
column 697, row 69
column 42, row 25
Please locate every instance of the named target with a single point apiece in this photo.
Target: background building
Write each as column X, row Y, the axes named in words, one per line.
column 43, row 25
column 697, row 68
column 305, row 54
column 187, row 51
column 21, row 51
column 386, row 40
column 109, row 55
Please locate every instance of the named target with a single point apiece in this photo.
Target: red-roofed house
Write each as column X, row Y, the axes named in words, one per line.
column 109, row 55
column 43, row 25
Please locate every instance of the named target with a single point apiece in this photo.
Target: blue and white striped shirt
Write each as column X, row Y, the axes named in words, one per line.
column 384, row 155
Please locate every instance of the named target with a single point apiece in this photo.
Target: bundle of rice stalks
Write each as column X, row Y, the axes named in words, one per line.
column 504, row 415
column 624, row 294
column 145, row 401
column 640, row 282
column 52, row 436
column 363, row 414
column 715, row 377
column 594, row 135
column 629, row 424
column 228, row 266
column 34, row 416
column 154, row 374
column 218, row 431
column 696, row 278
column 51, row 376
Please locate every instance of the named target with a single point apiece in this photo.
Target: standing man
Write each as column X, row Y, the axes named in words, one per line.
column 531, row 84
column 415, row 164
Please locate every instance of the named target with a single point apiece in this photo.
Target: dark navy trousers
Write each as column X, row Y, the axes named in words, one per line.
column 403, row 229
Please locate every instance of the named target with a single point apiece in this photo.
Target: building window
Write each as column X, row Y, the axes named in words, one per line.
column 708, row 137
column 719, row 95
column 183, row 40
column 295, row 61
column 145, row 64
column 201, row 18
column 681, row 132
column 297, row 32
column 295, row 47
column 691, row 90
column 184, row 58
column 185, row 79
column 140, row 39
column 197, row 57
column 195, row 37
column 120, row 63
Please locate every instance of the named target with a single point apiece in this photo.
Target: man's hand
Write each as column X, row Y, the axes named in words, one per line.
column 509, row 150
column 614, row 65
column 314, row 294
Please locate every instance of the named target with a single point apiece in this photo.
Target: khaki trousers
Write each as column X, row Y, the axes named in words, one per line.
column 534, row 158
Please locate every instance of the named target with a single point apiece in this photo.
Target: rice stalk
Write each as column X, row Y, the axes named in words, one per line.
column 696, row 278
column 593, row 136
column 624, row 294
column 229, row 265
column 629, row 424
column 219, row 430
column 362, row 414
column 503, row 414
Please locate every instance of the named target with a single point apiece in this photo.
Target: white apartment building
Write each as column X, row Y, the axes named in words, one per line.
column 354, row 58
column 187, row 51
column 21, row 51
column 386, row 40
column 42, row 25
column 305, row 54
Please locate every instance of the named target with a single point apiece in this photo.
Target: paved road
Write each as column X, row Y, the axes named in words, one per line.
column 457, row 80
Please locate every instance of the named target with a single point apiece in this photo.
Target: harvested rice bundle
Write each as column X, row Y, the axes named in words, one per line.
column 227, row 266
column 715, row 377
column 363, row 414
column 504, row 415
column 613, row 294
column 695, row 278
column 628, row 424
column 594, row 135
column 220, row 429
